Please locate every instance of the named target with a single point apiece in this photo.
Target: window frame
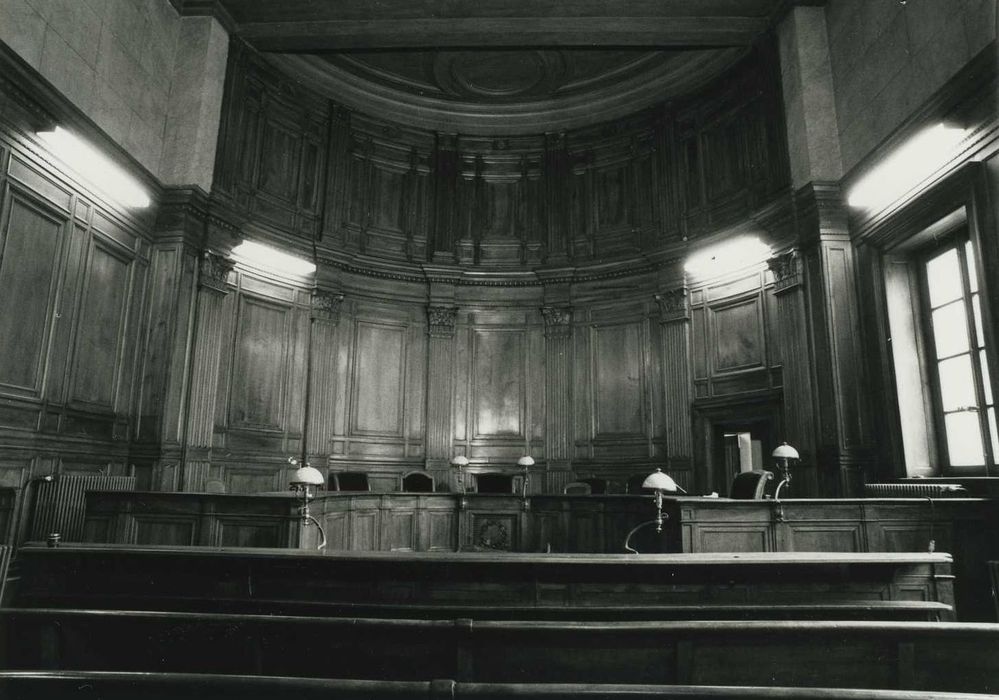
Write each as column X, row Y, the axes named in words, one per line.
column 957, row 239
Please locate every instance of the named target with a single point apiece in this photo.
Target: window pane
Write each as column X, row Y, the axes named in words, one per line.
column 950, row 329
column 943, row 274
column 995, row 433
column 976, row 307
column 957, row 383
column 964, row 439
column 986, row 380
column 969, row 256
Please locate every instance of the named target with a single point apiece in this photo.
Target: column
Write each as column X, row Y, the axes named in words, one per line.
column 213, row 276
column 441, row 322
column 792, row 334
column 558, row 396
column 674, row 323
column 324, row 319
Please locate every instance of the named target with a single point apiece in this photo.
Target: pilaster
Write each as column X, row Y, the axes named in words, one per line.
column 674, row 321
column 441, row 322
column 558, row 384
column 324, row 320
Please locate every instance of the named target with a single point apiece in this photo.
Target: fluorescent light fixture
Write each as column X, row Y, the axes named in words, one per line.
column 728, row 256
column 267, row 258
column 95, row 167
column 909, row 165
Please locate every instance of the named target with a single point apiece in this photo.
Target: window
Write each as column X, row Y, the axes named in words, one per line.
column 964, row 410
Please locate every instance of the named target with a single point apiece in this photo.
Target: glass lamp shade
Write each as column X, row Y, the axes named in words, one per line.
column 307, row 476
column 660, row 482
column 785, row 451
column 525, row 461
column 460, row 461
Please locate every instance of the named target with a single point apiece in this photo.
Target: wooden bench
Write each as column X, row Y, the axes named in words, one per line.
column 958, row 657
column 488, row 585
column 88, row 685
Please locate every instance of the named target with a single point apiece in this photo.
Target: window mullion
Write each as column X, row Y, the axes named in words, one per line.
column 976, row 369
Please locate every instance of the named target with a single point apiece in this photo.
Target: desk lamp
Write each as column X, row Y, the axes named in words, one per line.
column 304, row 481
column 661, row 483
column 460, row 461
column 783, row 454
column 525, row 462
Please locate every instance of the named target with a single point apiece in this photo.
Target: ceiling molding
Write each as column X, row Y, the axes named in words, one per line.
column 450, row 114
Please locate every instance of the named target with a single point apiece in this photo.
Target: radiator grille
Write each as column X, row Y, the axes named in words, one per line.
column 913, row 490
column 61, row 503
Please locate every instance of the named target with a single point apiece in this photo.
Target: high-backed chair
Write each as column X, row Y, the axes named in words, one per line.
column 350, row 481
column 750, row 485
column 418, row 482
column 577, row 488
column 597, row 486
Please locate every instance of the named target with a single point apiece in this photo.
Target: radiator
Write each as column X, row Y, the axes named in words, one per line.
column 909, row 490
column 60, row 504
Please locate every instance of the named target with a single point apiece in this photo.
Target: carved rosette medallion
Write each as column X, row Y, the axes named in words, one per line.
column 441, row 321
column 787, row 269
column 214, row 272
column 326, row 305
column 493, row 534
column 558, row 321
column 674, row 305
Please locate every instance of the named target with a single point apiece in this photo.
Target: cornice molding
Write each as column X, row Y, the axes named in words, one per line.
column 206, row 8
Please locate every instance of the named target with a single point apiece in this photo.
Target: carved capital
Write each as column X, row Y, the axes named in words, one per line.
column 787, row 269
column 674, row 305
column 558, row 321
column 326, row 305
column 215, row 269
column 441, row 321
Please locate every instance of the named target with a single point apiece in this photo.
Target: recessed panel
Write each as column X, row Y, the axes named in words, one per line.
column 261, row 351
column 101, row 328
column 28, row 250
column 379, row 392
column 738, row 336
column 617, row 390
column 498, row 376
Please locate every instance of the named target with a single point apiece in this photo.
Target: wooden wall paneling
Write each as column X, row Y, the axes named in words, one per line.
column 584, row 399
column 620, row 389
column 415, row 393
column 212, row 287
column 674, row 322
column 378, row 384
column 226, row 347
column 33, row 236
column 172, row 276
column 798, row 396
column 261, row 355
column 337, row 190
column 499, row 383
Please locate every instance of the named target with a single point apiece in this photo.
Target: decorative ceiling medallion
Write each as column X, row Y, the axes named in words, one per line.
column 499, row 74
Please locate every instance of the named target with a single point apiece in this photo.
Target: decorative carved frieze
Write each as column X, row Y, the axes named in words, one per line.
column 674, row 305
column 215, row 269
column 558, row 321
column 326, row 305
column 441, row 321
column 787, row 269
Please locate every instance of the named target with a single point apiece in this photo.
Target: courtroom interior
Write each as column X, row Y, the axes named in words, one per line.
column 524, row 348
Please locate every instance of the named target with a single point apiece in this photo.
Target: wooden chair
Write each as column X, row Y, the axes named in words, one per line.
column 577, row 488
column 750, row 485
column 349, row 481
column 598, row 486
column 417, row 482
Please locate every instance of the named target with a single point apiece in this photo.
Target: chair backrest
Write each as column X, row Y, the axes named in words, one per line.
column 418, row 482
column 635, row 482
column 494, row 483
column 597, row 486
column 750, row 485
column 577, row 488
column 351, row 481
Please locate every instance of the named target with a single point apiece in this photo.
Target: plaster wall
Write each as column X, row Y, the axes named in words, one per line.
column 889, row 57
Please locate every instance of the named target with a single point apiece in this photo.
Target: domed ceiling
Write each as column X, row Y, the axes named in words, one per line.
column 503, row 66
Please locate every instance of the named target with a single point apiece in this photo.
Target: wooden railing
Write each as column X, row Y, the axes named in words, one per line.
column 70, row 685
column 901, row 655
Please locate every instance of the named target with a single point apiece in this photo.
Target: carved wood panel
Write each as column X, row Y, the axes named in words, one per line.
column 618, row 379
column 259, row 380
column 379, row 381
